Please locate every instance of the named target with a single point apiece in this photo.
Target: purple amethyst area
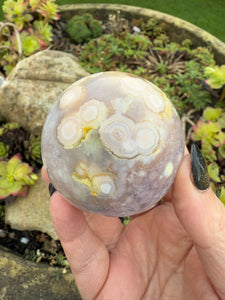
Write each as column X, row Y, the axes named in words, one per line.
column 112, row 144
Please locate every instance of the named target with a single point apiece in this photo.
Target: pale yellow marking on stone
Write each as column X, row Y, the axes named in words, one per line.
column 98, row 183
column 81, row 175
column 168, row 169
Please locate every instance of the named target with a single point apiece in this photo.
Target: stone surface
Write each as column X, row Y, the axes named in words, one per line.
column 20, row 279
column 112, row 144
column 34, row 84
column 31, row 212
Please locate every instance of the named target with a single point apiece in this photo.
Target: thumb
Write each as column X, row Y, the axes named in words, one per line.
column 202, row 215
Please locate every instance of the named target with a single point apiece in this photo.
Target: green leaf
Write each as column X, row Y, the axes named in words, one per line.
column 3, row 150
column 3, row 171
column 34, row 4
column 17, row 12
column 222, row 151
column 4, row 193
column 45, row 30
column 205, row 132
column 213, row 170
column 15, row 176
column 220, row 139
column 5, row 184
column 212, row 114
column 49, row 10
column 30, row 43
column 216, row 76
column 21, row 171
column 208, row 152
column 222, row 195
column 221, row 121
column 12, row 165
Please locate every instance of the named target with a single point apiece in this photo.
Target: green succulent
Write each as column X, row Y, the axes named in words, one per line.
column 30, row 43
column 33, row 148
column 2, row 213
column 3, row 150
column 15, row 177
column 48, row 9
column 44, row 30
column 17, row 12
column 8, row 126
column 27, row 30
column 216, row 76
column 209, row 130
column 83, row 28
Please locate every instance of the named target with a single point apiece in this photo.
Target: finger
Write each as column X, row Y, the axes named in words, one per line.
column 45, row 176
column 203, row 216
column 87, row 255
column 201, row 212
column 107, row 229
column 168, row 196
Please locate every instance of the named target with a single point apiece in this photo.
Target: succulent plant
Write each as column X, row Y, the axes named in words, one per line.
column 17, row 12
column 209, row 131
column 8, row 126
column 15, row 177
column 112, row 144
column 33, row 149
column 83, row 28
column 14, row 139
column 27, row 29
column 3, row 150
column 12, row 136
column 216, row 76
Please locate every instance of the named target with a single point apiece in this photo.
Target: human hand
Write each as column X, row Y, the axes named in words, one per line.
column 174, row 251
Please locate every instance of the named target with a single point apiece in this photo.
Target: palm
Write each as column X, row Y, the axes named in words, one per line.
column 151, row 258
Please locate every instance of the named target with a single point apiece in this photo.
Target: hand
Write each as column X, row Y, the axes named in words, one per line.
column 174, row 251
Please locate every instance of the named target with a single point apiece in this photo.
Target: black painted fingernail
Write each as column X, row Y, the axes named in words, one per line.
column 199, row 169
column 51, row 189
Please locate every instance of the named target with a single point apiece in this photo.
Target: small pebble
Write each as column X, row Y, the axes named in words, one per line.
column 2, row 79
column 24, row 240
column 136, row 29
column 12, row 235
column 2, row 233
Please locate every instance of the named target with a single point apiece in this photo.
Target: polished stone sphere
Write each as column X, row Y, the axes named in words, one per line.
column 112, row 144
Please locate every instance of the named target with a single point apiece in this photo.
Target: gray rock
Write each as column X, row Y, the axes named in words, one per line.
column 20, row 279
column 31, row 212
column 34, row 84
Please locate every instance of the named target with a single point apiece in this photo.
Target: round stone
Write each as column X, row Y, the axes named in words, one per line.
column 119, row 142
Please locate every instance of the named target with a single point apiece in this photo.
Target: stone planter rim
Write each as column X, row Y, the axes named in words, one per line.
column 197, row 35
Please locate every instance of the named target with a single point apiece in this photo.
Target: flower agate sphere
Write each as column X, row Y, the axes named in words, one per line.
column 112, row 144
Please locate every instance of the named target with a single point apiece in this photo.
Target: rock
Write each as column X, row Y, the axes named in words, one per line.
column 31, row 212
column 34, row 84
column 21, row 279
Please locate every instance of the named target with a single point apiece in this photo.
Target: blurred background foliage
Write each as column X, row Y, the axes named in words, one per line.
column 206, row 14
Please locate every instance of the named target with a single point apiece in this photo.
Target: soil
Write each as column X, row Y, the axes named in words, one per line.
column 33, row 245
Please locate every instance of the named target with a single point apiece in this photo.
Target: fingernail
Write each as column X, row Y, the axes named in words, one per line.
column 199, row 169
column 51, row 189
